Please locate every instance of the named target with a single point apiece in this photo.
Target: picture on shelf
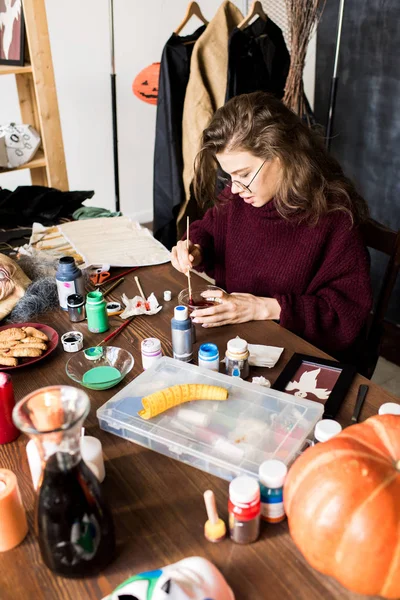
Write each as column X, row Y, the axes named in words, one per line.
column 12, row 33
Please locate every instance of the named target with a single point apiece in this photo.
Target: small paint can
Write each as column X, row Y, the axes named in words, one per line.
column 237, row 358
column 72, row 341
column 76, row 308
column 151, row 351
column 244, row 510
column 209, row 357
column 167, row 295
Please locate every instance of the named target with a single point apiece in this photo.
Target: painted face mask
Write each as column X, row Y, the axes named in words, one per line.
column 192, row 578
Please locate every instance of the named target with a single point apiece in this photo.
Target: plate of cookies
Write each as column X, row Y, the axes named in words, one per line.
column 22, row 344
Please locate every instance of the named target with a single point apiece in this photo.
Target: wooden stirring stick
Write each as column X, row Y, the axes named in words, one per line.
column 188, row 273
column 140, row 287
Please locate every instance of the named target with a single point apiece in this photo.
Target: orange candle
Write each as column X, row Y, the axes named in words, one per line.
column 13, row 524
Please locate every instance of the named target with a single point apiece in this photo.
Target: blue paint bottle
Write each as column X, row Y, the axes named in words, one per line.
column 272, row 474
column 182, row 336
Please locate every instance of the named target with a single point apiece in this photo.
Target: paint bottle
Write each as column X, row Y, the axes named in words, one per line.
column 325, row 430
column 272, row 474
column 151, row 351
column 389, row 408
column 209, row 357
column 182, row 338
column 69, row 280
column 244, row 509
column 237, row 358
column 76, row 308
column 96, row 312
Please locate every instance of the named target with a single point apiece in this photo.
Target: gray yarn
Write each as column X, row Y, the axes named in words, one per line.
column 40, row 296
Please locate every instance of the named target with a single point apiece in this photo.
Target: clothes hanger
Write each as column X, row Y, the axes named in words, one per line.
column 255, row 9
column 193, row 9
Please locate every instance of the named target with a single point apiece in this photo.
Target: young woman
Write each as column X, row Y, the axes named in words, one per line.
column 282, row 238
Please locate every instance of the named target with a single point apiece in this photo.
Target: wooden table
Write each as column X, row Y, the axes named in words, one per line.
column 157, row 502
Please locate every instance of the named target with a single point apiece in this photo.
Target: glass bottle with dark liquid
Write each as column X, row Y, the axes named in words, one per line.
column 74, row 524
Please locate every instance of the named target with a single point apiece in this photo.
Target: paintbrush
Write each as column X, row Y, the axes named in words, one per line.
column 188, row 273
column 115, row 332
column 117, row 276
column 112, row 287
column 141, row 292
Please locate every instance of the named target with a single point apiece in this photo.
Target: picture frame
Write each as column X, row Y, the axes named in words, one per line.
column 317, row 379
column 12, row 33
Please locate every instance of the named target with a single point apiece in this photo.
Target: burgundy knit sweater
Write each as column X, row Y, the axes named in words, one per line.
column 319, row 274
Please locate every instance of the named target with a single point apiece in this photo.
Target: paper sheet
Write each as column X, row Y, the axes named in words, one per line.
column 117, row 241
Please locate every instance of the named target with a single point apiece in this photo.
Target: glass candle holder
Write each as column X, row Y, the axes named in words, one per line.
column 73, row 522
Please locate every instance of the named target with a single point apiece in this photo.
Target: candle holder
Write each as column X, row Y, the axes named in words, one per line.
column 74, row 524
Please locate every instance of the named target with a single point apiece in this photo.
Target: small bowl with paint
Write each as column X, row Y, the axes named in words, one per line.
column 198, row 300
column 100, row 367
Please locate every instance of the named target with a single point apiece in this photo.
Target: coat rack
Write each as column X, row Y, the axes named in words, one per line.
column 113, row 78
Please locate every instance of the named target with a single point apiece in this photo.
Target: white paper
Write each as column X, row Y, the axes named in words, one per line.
column 117, row 241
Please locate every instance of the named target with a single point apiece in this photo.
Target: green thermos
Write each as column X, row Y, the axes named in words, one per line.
column 96, row 312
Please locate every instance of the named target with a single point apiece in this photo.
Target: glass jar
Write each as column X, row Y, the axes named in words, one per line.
column 74, row 524
column 237, row 358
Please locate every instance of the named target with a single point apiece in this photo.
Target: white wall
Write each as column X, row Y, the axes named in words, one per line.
column 79, row 36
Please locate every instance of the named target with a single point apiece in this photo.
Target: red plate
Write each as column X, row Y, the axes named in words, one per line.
column 51, row 344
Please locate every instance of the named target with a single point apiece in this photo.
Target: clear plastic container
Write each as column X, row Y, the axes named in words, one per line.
column 234, row 437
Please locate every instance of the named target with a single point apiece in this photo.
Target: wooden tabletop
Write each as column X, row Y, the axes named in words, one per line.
column 157, row 502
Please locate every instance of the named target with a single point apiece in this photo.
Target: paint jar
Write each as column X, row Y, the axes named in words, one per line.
column 182, row 336
column 209, row 357
column 244, row 509
column 389, row 408
column 272, row 474
column 76, row 308
column 325, row 430
column 96, row 312
column 151, row 351
column 69, row 280
column 237, row 358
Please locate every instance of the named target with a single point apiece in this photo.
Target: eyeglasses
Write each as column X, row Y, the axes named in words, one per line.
column 239, row 184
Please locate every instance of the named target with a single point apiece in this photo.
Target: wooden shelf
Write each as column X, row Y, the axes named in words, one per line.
column 38, row 161
column 6, row 70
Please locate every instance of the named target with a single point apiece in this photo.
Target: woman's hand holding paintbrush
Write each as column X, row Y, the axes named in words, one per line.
column 184, row 258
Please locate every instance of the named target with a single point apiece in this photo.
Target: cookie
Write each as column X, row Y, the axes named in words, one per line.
column 37, row 344
column 33, row 332
column 13, row 333
column 8, row 361
column 9, row 344
column 25, row 352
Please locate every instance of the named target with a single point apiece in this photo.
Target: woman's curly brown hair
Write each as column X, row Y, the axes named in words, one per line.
column 313, row 182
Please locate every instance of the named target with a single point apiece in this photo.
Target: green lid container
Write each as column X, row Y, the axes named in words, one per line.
column 96, row 312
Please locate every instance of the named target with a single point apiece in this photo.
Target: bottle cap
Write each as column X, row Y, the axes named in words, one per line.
column 167, row 295
column 272, row 473
column 75, row 300
column 67, row 260
column 237, row 346
column 208, row 352
column 181, row 313
column 151, row 345
column 389, row 408
column 326, row 429
column 244, row 490
column 94, row 297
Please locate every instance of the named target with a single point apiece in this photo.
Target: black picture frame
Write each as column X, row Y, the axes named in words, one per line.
column 345, row 374
column 17, row 62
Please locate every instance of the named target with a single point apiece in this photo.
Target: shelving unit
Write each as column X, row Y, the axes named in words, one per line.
column 38, row 100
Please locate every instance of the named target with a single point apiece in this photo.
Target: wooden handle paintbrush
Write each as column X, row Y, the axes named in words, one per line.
column 188, row 273
column 115, row 332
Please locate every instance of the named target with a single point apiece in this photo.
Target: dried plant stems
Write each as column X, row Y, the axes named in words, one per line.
column 303, row 16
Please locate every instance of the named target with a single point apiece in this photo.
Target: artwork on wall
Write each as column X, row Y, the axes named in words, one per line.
column 12, row 33
column 316, row 379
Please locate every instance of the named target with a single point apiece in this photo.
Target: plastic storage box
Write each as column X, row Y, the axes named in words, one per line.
column 225, row 438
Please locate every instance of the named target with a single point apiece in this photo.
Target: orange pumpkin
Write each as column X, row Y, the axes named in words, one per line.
column 145, row 84
column 342, row 499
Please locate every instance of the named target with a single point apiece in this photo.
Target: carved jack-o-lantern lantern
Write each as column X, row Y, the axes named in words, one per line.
column 145, row 84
